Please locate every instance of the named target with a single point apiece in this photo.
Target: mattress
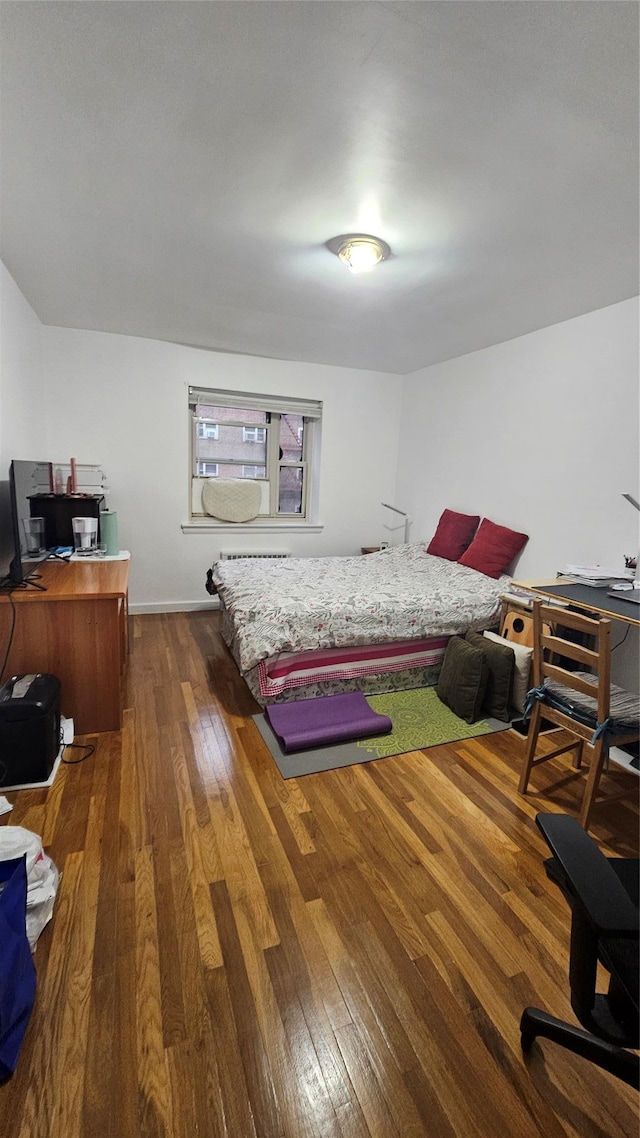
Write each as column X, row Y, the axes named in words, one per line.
column 289, row 606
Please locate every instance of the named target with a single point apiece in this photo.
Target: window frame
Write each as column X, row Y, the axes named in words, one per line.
column 206, row 462
column 204, row 423
column 275, row 408
column 246, row 431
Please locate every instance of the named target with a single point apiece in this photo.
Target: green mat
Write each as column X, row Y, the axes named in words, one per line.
column 419, row 720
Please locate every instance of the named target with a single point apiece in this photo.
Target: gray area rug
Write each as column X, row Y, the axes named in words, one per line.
column 419, row 718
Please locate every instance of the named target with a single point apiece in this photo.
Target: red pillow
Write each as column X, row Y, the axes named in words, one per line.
column 493, row 549
column 453, row 534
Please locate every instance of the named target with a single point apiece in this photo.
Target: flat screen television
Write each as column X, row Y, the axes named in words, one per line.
column 9, row 568
column 28, row 479
column 17, row 566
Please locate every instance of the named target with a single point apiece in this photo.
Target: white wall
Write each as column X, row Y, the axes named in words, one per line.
column 540, row 434
column 22, row 414
column 122, row 401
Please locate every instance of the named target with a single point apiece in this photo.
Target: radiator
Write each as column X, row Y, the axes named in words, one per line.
column 234, row 554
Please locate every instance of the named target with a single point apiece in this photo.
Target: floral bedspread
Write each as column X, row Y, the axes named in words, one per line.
column 399, row 593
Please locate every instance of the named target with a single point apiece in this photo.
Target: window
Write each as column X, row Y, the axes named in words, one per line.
column 207, row 469
column 273, row 439
column 254, row 434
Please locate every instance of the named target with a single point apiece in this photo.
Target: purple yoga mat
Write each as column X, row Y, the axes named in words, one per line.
column 305, row 723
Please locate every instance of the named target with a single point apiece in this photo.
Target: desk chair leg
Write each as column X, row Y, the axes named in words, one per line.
column 593, row 781
column 579, row 755
column 621, row 1063
column 532, row 742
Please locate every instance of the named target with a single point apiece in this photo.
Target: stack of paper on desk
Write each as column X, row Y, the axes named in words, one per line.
column 599, row 576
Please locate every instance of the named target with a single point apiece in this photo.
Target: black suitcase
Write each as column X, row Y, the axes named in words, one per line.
column 29, row 728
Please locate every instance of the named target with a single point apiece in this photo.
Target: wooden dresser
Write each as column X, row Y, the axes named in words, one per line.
column 77, row 630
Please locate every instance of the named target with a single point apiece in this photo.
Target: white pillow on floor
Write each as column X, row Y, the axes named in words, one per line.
column 523, row 656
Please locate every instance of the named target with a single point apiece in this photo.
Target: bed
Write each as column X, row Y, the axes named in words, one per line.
column 301, row 627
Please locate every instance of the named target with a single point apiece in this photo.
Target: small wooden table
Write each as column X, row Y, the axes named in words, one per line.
column 76, row 630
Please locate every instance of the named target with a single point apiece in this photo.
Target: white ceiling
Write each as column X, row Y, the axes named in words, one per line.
column 173, row 170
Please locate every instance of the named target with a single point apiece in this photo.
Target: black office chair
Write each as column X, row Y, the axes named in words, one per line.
column 603, row 895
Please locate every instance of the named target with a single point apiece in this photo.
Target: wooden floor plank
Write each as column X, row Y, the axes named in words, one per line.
column 152, row 1068
column 342, row 955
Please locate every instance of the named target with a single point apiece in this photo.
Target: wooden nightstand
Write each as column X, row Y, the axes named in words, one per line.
column 369, row 548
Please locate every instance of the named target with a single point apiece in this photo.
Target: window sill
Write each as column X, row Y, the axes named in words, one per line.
column 268, row 526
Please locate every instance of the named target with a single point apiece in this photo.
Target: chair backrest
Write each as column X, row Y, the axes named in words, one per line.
column 596, row 659
column 603, row 895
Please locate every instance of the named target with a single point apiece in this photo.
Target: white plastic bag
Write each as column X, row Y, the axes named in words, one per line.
column 42, row 876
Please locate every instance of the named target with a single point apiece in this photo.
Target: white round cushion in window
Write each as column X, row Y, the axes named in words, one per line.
column 232, row 499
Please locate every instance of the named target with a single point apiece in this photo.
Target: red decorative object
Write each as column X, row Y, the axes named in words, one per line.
column 493, row 549
column 453, row 535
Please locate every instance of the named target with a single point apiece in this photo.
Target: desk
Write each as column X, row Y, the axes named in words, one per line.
column 77, row 630
column 585, row 597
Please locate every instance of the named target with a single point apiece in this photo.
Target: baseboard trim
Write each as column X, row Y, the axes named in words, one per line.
column 172, row 606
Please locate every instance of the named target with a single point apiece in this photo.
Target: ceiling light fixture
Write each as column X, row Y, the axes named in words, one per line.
column 359, row 251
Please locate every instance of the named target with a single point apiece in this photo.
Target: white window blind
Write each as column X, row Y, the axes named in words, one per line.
column 277, row 404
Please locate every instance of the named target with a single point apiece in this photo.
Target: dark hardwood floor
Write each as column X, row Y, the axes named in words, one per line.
column 340, row 956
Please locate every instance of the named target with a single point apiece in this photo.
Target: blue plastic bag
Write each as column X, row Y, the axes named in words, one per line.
column 17, row 971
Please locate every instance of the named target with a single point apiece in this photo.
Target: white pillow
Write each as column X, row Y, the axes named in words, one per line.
column 523, row 656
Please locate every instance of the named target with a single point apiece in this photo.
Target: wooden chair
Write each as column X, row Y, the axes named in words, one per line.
column 598, row 714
